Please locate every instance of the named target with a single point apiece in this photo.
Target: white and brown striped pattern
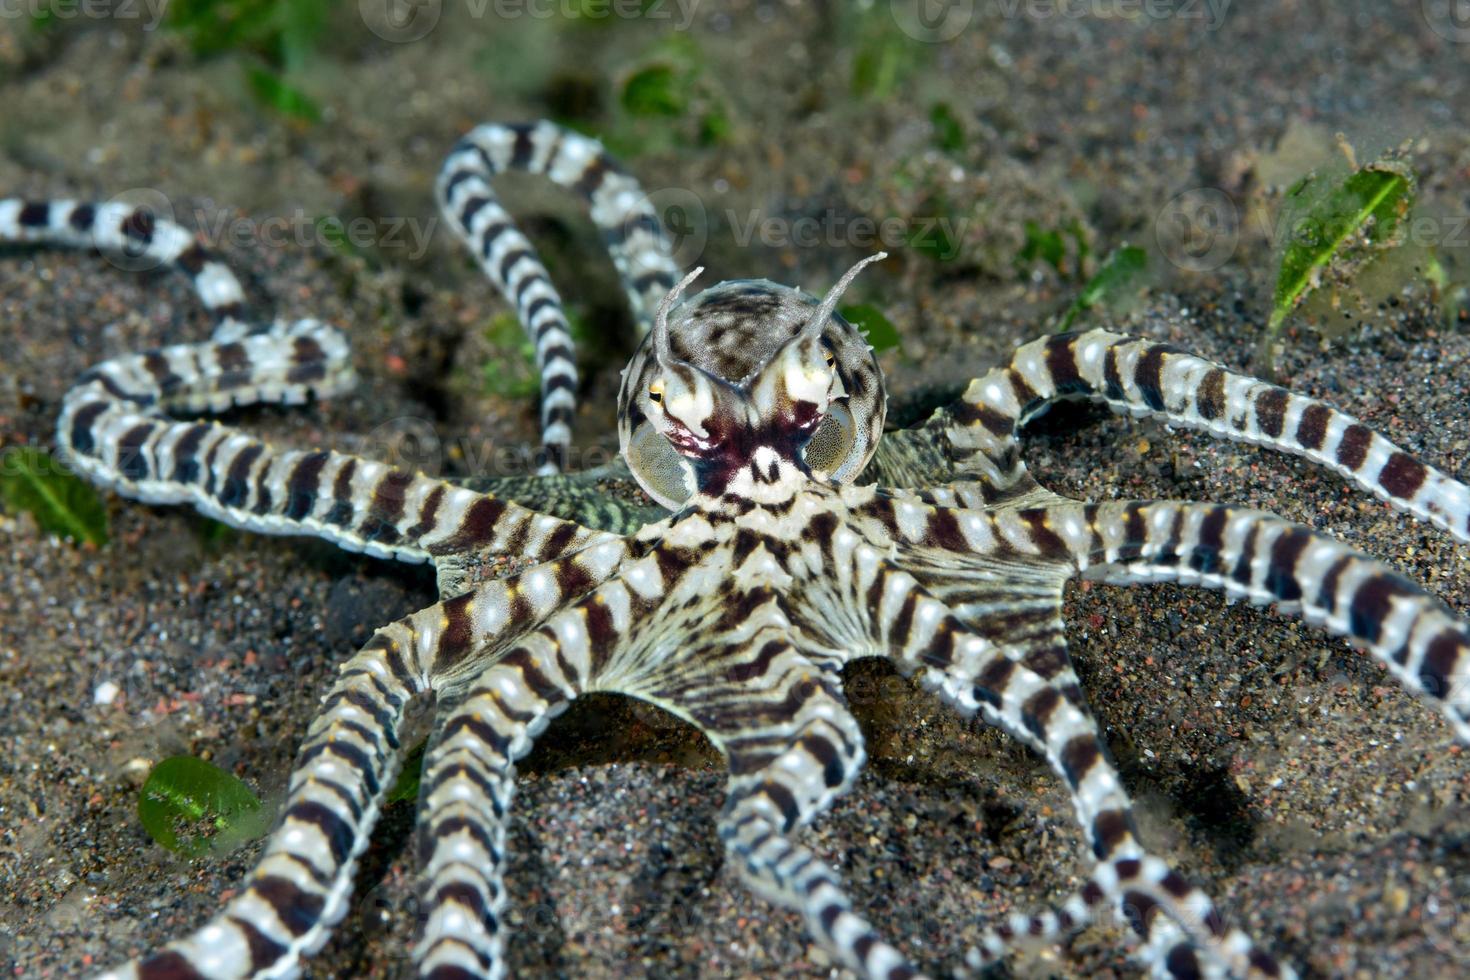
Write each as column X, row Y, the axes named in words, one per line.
column 738, row 612
column 112, row 429
column 630, row 229
column 135, row 231
column 114, row 425
column 303, row 882
column 1016, row 670
column 1143, row 378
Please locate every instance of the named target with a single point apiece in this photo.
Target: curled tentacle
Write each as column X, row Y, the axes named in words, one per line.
column 995, row 646
column 136, row 232
column 1028, row 689
column 782, row 776
column 1263, row 558
column 111, row 430
column 779, row 718
column 1246, row 553
column 348, row 759
column 622, row 212
column 1143, row 378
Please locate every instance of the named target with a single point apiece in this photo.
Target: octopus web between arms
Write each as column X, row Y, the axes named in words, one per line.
column 753, row 412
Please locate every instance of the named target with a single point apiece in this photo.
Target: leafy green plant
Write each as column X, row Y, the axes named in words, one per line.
column 669, row 99
column 194, row 808
column 881, row 333
column 33, row 480
column 654, row 91
column 884, row 57
column 1333, row 225
column 1051, row 245
column 675, row 91
column 276, row 39
column 406, row 789
column 949, row 135
column 1121, row 273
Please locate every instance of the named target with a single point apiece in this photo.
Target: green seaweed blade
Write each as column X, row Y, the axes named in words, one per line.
column 33, row 480
column 183, row 791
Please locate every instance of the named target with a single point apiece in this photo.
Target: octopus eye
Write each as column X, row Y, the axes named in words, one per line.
column 656, row 392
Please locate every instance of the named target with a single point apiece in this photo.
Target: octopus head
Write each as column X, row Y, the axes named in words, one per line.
column 749, row 372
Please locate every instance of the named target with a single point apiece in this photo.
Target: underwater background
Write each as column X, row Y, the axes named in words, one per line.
column 1145, row 164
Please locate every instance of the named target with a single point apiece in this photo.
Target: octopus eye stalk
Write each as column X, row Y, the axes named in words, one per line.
column 829, row 302
column 661, row 347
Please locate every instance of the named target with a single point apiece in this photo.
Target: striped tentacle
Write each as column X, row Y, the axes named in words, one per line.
column 289, row 364
column 1029, row 690
column 295, row 895
column 793, row 747
column 580, row 497
column 1168, row 953
column 622, row 212
column 300, row 888
column 777, row 715
column 1007, row 660
column 1263, row 558
column 1004, row 594
column 490, row 717
column 112, row 431
column 144, row 238
column 1141, row 378
column 469, row 780
column 357, row 504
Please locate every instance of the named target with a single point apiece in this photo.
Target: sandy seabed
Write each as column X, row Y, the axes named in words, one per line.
column 1325, row 810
